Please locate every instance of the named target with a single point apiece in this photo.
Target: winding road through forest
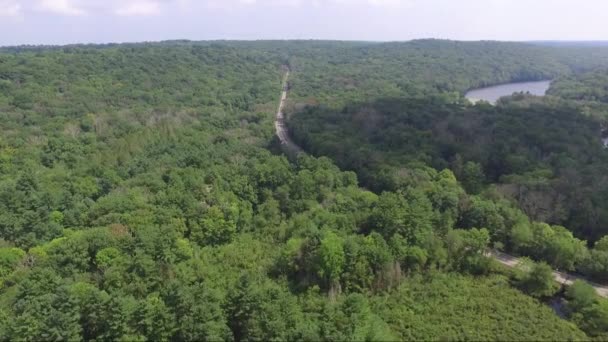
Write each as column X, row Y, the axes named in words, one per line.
column 279, row 123
column 503, row 258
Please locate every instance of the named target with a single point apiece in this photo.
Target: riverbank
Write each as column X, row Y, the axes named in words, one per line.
column 492, row 94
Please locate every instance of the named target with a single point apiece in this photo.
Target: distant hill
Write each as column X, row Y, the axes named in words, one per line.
column 562, row 43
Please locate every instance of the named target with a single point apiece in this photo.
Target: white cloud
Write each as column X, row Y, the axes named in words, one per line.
column 235, row 4
column 9, row 8
column 139, row 8
column 65, row 7
column 90, row 7
column 389, row 3
column 19, row 8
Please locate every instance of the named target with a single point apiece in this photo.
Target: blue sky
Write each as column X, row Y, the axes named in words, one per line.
column 98, row 21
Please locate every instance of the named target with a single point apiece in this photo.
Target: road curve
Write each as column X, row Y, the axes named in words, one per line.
column 562, row 278
column 279, row 123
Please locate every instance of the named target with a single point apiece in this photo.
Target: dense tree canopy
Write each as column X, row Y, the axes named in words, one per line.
column 143, row 196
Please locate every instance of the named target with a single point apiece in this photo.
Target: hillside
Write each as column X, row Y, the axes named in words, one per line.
column 143, row 196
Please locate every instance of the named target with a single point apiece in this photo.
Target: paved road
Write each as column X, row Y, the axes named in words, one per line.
column 560, row 277
column 279, row 123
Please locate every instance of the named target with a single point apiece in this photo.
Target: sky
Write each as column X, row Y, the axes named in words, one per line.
column 103, row 21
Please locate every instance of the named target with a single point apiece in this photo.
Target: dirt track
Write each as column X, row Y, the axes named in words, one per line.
column 560, row 277
column 279, row 123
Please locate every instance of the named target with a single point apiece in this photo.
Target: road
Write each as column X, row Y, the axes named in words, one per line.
column 505, row 259
column 560, row 277
column 279, row 123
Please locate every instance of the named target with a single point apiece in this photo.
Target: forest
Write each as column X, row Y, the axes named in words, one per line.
column 143, row 195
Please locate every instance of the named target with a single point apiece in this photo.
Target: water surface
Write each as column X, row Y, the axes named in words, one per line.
column 493, row 93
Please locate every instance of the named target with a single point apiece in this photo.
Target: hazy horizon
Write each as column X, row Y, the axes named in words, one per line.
column 578, row 42
column 61, row 22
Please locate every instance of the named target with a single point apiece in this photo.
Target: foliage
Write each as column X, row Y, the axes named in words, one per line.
column 543, row 158
column 418, row 310
column 141, row 197
column 538, row 281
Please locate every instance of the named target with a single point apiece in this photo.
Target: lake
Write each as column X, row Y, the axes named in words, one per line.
column 493, row 93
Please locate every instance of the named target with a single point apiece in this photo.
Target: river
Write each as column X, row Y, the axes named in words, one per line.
column 493, row 93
